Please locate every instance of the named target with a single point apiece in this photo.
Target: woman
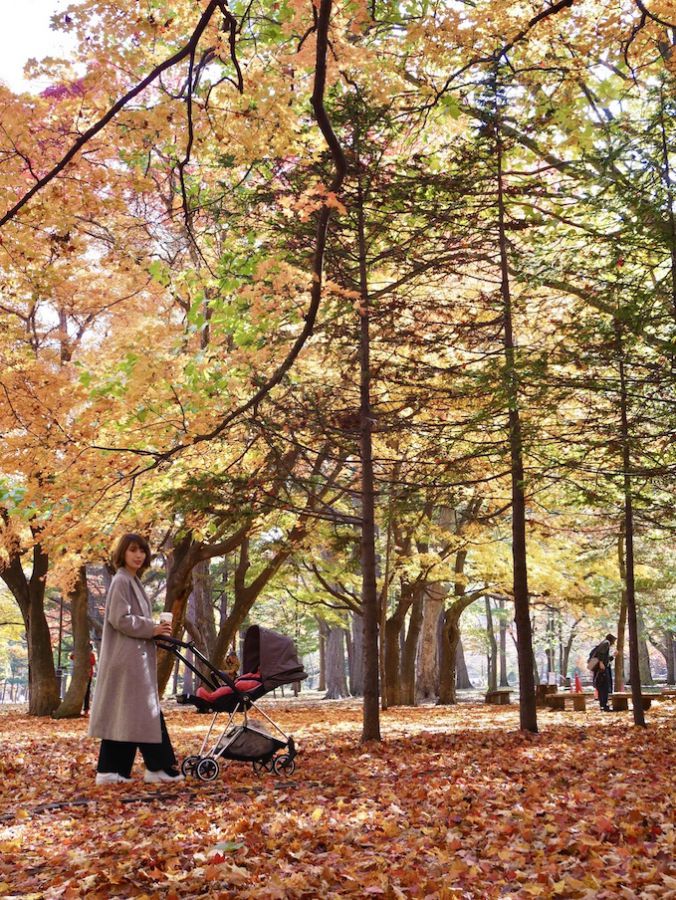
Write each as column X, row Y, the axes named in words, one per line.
column 126, row 709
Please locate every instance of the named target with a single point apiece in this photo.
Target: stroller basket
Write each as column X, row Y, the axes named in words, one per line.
column 248, row 743
column 269, row 661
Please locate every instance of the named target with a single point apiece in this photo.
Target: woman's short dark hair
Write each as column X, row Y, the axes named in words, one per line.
column 124, row 544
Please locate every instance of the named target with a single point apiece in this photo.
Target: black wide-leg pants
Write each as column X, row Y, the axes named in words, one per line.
column 603, row 687
column 118, row 756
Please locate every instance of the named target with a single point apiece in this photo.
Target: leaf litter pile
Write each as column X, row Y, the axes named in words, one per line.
column 455, row 803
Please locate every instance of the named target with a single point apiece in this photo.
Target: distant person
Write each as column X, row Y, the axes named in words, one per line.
column 599, row 660
column 126, row 711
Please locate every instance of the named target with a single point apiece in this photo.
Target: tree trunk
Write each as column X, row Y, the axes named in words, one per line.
column 462, row 680
column 369, row 593
column 321, row 686
column 199, row 618
column 180, row 562
column 622, row 619
column 503, row 644
column 644, row 656
column 527, row 705
column 357, row 661
column 190, row 680
column 71, row 705
column 394, row 640
column 204, row 604
column 565, row 663
column 668, row 650
column 427, row 679
column 408, row 659
column 632, row 618
column 385, row 592
column 451, row 632
column 392, row 662
column 43, row 691
column 492, row 649
column 551, row 643
column 336, row 684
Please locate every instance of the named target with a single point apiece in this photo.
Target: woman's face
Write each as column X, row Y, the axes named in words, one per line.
column 134, row 557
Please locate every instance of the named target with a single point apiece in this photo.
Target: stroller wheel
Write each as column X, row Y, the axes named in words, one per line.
column 207, row 769
column 261, row 766
column 189, row 765
column 284, row 765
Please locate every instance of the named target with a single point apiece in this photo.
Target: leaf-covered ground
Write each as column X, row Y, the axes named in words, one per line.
column 455, row 803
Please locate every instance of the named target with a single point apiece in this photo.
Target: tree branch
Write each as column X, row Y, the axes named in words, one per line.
column 188, row 49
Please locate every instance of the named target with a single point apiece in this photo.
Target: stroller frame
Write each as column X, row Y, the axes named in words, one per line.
column 205, row 764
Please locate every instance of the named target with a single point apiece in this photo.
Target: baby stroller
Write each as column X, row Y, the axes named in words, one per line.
column 269, row 660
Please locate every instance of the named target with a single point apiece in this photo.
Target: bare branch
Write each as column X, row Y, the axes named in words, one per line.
column 646, row 12
column 188, row 49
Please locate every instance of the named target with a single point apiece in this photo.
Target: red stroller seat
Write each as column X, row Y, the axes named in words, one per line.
column 245, row 684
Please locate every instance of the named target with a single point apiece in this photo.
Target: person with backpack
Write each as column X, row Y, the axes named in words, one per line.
column 599, row 664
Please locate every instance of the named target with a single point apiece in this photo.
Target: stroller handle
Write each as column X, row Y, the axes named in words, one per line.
column 166, row 642
column 174, row 645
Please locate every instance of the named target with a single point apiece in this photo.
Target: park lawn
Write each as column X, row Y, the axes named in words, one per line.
column 455, row 803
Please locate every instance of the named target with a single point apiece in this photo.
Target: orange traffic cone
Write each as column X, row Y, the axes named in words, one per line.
column 578, row 684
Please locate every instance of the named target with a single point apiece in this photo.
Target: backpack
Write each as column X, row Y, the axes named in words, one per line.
column 592, row 661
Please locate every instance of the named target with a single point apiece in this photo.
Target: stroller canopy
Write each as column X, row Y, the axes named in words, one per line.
column 273, row 655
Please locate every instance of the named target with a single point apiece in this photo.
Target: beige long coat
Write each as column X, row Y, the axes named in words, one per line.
column 126, row 704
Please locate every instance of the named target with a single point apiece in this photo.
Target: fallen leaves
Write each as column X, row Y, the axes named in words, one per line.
column 456, row 803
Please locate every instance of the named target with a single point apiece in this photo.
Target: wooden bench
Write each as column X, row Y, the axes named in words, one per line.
column 558, row 701
column 620, row 701
column 501, row 697
column 542, row 691
column 665, row 694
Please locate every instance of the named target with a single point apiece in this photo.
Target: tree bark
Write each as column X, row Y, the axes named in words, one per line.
column 180, row 562
column 630, row 583
column 619, row 680
column 643, row 654
column 527, row 704
column 503, row 644
column 369, row 593
column 667, row 647
column 199, row 619
column 492, row 648
column 43, row 692
column 392, row 662
column 409, row 656
column 565, row 662
column 357, row 660
column 427, row 679
column 321, row 681
column 71, row 705
column 336, row 684
column 451, row 633
column 462, row 679
column 394, row 640
column 551, row 642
